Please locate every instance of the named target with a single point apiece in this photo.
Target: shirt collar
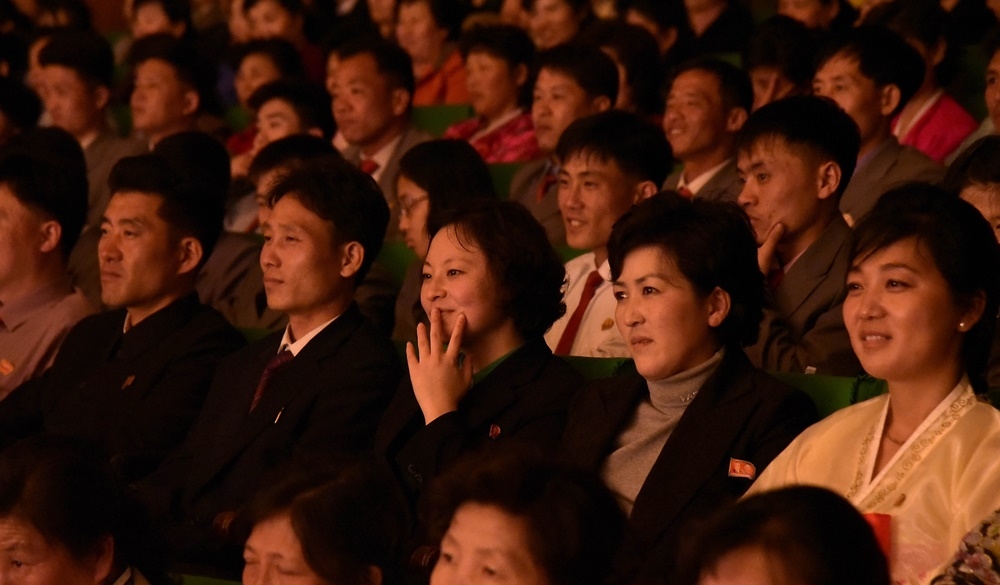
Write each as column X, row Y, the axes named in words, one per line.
column 700, row 181
column 383, row 155
column 296, row 346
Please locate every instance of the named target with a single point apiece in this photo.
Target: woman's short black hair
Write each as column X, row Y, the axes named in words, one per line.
column 348, row 516
column 636, row 50
column 922, row 20
column 524, row 265
column 574, row 523
column 712, row 245
column 503, row 41
column 961, row 244
column 979, row 164
column 810, row 534
column 447, row 14
column 451, row 172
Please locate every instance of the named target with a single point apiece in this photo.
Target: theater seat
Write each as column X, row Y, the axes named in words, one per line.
column 196, row 580
column 436, row 119
column 831, row 393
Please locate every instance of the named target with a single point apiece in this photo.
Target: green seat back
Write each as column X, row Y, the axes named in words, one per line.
column 595, row 368
column 396, row 257
column 502, row 175
column 198, row 580
column 831, row 393
column 436, row 119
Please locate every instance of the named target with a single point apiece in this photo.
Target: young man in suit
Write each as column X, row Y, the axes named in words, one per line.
column 573, row 81
column 708, row 102
column 320, row 385
column 871, row 73
column 134, row 378
column 796, row 157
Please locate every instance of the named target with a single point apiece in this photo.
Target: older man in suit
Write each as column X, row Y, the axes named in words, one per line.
column 795, row 158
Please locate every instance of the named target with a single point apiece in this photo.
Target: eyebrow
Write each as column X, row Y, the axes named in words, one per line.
column 642, row 279
column 129, row 221
column 886, row 267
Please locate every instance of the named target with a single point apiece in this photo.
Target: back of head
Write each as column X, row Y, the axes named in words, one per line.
column 815, row 123
column 734, row 84
column 882, row 56
column 183, row 57
column 636, row 50
column 587, row 65
column 19, row 106
column 711, row 243
column 44, row 169
column 185, row 205
column 785, row 44
column 808, row 535
column 394, row 64
column 340, row 193
column 924, row 21
column 451, row 172
column 979, row 164
column 85, row 52
column 960, row 242
column 526, row 268
column 639, row 149
column 573, row 523
column 310, row 102
column 289, row 153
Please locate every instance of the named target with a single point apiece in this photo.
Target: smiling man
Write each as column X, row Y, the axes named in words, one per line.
column 319, row 385
column 133, row 378
column 795, row 159
column 708, row 102
column 608, row 161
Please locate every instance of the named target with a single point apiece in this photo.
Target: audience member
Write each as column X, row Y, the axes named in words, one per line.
column 573, row 81
column 931, row 121
column 871, row 73
column 991, row 95
column 19, row 108
column 920, row 310
column 608, row 161
column 490, row 297
column 66, row 521
column 62, row 14
column 779, row 59
column 525, row 518
column 718, row 28
column 555, row 22
column 372, row 93
column 318, row 386
column 172, row 86
column 638, row 61
column 497, row 59
column 427, row 31
column 689, row 295
column 666, row 21
column 802, row 534
column 77, row 68
column 150, row 17
column 326, row 521
column 826, row 16
column 134, row 378
column 796, row 157
column 707, row 104
column 290, row 107
column 43, row 204
column 434, row 178
column 286, row 19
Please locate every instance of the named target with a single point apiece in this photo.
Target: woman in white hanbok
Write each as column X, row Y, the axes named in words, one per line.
column 922, row 461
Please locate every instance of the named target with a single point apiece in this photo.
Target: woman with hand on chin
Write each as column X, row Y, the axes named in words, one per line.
column 923, row 460
column 491, row 288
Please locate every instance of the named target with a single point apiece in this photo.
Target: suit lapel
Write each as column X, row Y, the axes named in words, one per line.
column 617, row 398
column 812, row 268
column 502, row 386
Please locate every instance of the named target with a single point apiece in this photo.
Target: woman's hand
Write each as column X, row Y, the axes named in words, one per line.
column 440, row 376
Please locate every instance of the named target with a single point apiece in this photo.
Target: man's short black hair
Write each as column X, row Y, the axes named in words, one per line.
column 45, row 170
column 176, row 11
column 394, row 64
column 882, row 55
column 310, row 102
column 292, row 6
column 187, row 62
column 282, row 54
column 587, row 65
column 289, row 153
column 734, row 83
column 185, row 207
column 639, row 148
column 85, row 52
column 785, row 44
column 816, row 123
column 340, row 193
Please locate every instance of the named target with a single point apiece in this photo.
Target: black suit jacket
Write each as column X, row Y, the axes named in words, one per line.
column 524, row 398
column 327, row 399
column 137, row 393
column 740, row 413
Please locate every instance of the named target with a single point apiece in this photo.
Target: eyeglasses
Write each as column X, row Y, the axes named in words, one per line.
column 406, row 207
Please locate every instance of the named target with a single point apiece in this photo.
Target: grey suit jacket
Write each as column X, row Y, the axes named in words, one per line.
column 387, row 180
column 803, row 325
column 892, row 165
column 724, row 186
column 102, row 154
column 524, row 189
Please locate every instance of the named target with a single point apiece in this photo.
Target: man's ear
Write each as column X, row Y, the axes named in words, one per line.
column 101, row 96
column 735, row 119
column 51, row 234
column 191, row 251
column 521, row 75
column 314, row 131
column 889, row 99
column 601, row 103
column 828, row 178
column 104, row 562
column 351, row 259
column 645, row 190
column 400, row 101
column 191, row 102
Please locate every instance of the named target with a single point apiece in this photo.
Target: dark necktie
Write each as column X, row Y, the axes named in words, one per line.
column 272, row 366
column 594, row 279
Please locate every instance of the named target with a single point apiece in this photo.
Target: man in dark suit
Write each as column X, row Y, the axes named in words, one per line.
column 708, row 102
column 372, row 89
column 871, row 73
column 320, row 385
column 134, row 378
column 796, row 157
